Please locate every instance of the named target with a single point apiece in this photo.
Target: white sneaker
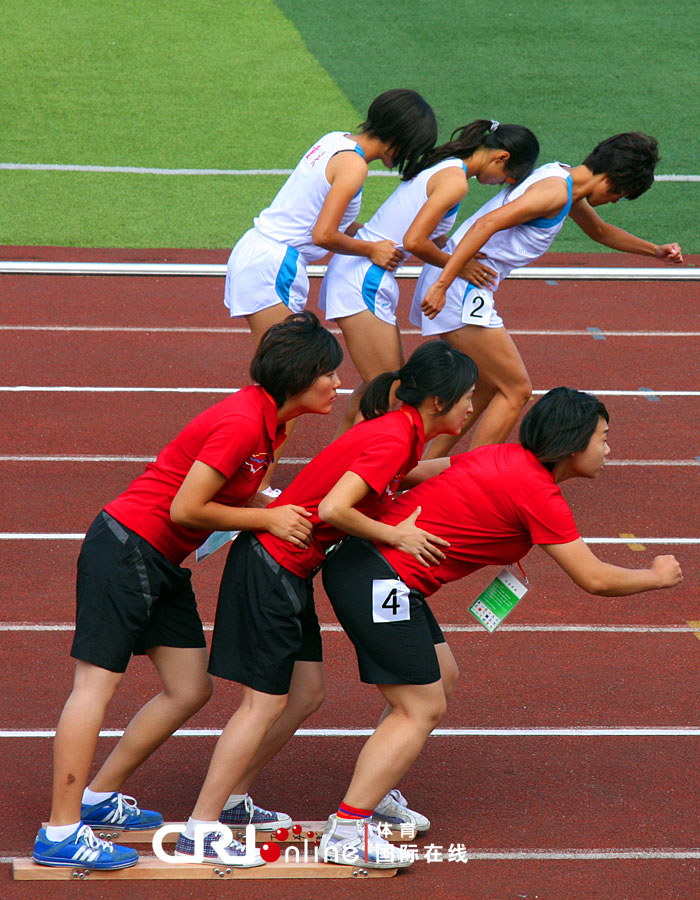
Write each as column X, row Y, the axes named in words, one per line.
column 392, row 809
column 356, row 842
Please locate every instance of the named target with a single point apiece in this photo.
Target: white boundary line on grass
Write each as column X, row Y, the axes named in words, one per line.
column 154, row 170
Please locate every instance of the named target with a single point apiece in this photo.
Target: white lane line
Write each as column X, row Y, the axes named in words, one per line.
column 296, row 460
column 669, row 731
column 158, row 170
column 550, row 854
column 75, row 536
column 94, row 389
column 218, row 270
column 187, row 329
column 454, row 629
column 291, row 461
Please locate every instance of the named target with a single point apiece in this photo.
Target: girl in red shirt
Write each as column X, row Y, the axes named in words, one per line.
column 491, row 505
column 266, row 635
column 133, row 596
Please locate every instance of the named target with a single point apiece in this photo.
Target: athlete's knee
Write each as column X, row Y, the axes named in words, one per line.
column 191, row 695
column 519, row 392
column 449, row 673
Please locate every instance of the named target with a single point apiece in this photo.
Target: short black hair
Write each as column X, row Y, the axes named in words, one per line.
column 406, row 121
column 628, row 159
column 293, row 354
column 561, row 423
column 434, row 369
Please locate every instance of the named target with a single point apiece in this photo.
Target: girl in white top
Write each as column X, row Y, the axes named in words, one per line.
column 315, row 209
column 513, row 229
column 361, row 296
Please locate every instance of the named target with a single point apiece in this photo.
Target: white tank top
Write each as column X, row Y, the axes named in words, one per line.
column 521, row 244
column 291, row 216
column 394, row 217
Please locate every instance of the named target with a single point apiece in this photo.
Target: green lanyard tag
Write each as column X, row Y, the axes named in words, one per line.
column 498, row 599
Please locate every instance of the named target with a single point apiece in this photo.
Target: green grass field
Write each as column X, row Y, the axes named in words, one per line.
column 250, row 85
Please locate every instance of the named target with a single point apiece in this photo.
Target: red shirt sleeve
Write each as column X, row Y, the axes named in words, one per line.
column 230, row 444
column 547, row 517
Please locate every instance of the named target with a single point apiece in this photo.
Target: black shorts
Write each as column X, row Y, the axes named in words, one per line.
column 265, row 620
column 388, row 652
column 130, row 598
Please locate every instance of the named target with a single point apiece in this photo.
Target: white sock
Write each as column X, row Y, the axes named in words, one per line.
column 189, row 830
column 234, row 800
column 92, row 797
column 60, row 832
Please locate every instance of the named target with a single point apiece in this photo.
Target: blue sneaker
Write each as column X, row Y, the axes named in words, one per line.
column 235, row 851
column 247, row 813
column 119, row 812
column 82, row 849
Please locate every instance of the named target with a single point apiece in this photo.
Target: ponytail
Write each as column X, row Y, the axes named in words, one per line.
column 435, row 369
column 520, row 142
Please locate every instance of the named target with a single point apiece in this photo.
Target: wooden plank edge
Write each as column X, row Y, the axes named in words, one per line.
column 148, row 867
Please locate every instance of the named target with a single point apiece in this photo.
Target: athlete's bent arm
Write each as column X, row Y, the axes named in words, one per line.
column 597, row 577
column 545, row 198
column 346, row 173
column 338, row 509
column 194, row 507
column 601, row 231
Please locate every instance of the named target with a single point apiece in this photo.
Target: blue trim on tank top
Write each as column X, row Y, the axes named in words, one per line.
column 370, row 286
column 565, row 210
column 286, row 274
column 455, row 208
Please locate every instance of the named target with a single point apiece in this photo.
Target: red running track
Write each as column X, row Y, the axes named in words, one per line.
column 497, row 794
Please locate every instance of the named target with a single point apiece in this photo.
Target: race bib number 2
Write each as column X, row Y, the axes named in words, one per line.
column 477, row 306
column 390, row 600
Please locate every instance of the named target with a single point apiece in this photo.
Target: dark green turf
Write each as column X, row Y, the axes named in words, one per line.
column 234, row 84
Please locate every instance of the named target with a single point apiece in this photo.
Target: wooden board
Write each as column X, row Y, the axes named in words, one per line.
column 148, row 867
column 146, row 836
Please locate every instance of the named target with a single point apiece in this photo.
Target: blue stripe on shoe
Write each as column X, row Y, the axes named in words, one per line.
column 286, row 274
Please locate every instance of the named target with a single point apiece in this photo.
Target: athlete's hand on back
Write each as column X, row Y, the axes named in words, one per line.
column 670, row 253
column 433, row 301
column 290, row 523
column 668, row 570
column 477, row 273
column 385, row 254
column 421, row 544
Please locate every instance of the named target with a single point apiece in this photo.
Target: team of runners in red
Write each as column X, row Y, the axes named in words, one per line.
column 383, row 511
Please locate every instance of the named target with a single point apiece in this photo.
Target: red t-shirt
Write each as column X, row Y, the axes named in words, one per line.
column 491, row 504
column 237, row 437
column 381, row 451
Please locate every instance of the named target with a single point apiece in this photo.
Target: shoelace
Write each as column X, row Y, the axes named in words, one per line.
column 124, row 800
column 94, row 843
column 397, row 796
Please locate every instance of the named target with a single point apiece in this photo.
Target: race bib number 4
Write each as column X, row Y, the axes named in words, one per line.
column 390, row 600
column 477, row 305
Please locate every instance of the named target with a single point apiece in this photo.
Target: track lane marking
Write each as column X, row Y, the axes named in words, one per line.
column 78, row 536
column 290, row 460
column 582, row 731
column 193, row 329
column 110, row 389
column 690, row 628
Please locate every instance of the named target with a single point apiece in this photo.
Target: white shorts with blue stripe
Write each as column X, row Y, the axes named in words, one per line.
column 452, row 316
column 353, row 284
column 262, row 272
